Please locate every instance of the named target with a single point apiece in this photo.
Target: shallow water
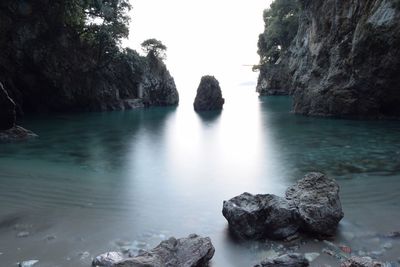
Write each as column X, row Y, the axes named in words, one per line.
column 107, row 181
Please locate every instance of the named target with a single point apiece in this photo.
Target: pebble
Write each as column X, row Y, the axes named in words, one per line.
column 49, row 237
column 387, row 245
column 23, row 234
column 311, row 256
column 348, row 235
column 29, row 263
column 84, row 255
column 362, row 253
column 376, row 253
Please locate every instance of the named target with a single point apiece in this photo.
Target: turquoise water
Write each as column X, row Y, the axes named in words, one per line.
column 97, row 181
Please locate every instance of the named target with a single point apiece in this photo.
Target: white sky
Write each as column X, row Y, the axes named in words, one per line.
column 213, row 37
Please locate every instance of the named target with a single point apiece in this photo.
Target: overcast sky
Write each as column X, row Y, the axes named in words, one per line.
column 203, row 37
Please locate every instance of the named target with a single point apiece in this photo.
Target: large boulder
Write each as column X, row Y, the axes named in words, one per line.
column 287, row 260
column 312, row 205
column 316, row 198
column 7, row 110
column 209, row 95
column 193, row 251
column 260, row 216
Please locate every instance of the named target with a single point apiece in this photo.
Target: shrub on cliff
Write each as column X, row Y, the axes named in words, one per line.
column 281, row 24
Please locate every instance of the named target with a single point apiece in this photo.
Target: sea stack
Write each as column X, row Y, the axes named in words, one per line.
column 209, row 95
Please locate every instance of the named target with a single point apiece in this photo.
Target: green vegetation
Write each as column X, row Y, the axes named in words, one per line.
column 281, row 24
column 155, row 48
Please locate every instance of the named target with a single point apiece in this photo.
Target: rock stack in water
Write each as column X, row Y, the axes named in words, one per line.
column 312, row 205
column 193, row 251
column 209, row 95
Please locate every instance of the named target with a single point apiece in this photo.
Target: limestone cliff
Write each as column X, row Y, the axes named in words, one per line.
column 345, row 59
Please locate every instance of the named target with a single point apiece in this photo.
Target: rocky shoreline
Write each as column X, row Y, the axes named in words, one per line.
column 310, row 209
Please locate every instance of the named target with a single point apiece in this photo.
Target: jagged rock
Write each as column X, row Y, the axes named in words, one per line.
column 7, row 112
column 287, row 260
column 158, row 86
column 108, row 259
column 193, row 251
column 316, row 198
column 209, row 95
column 361, row 262
column 274, row 79
column 346, row 63
column 260, row 216
column 16, row 134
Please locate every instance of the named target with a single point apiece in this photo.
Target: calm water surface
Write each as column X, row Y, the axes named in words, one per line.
column 101, row 181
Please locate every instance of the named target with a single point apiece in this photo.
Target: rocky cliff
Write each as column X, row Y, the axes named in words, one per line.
column 47, row 65
column 346, row 62
column 345, row 59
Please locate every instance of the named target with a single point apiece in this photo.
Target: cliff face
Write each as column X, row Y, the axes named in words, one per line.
column 345, row 59
column 275, row 79
column 45, row 66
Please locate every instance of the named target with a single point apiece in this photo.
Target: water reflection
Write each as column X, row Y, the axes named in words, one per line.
column 167, row 170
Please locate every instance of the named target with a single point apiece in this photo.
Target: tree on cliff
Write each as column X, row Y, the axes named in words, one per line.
column 281, row 24
column 155, row 48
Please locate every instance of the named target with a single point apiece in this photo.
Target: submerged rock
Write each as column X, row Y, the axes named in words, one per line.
column 29, row 263
column 316, row 198
column 15, row 134
column 193, row 251
column 7, row 110
column 108, row 259
column 209, row 95
column 287, row 260
column 260, row 216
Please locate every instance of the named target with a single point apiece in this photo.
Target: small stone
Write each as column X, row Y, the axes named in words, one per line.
column 29, row 263
column 387, row 245
column 311, row 256
column 49, row 237
column 23, row 234
column 362, row 253
column 84, row 255
column 107, row 259
column 292, row 260
column 348, row 236
column 376, row 253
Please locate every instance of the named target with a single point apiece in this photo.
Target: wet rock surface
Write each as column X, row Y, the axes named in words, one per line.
column 287, row 260
column 193, row 251
column 312, row 205
column 108, row 259
column 209, row 95
column 260, row 216
column 361, row 262
column 316, row 198
column 16, row 134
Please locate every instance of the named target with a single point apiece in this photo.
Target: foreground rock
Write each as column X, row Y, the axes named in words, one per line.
column 209, row 95
column 260, row 216
column 16, row 134
column 7, row 110
column 316, row 198
column 287, row 260
column 361, row 262
column 312, row 205
column 193, row 251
